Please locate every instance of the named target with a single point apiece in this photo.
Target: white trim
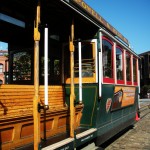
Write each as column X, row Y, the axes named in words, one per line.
column 114, row 64
column 100, row 66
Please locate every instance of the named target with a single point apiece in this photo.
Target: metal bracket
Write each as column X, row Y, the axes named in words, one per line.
column 44, row 107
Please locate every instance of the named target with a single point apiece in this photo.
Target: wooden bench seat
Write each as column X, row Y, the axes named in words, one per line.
column 17, row 100
column 16, row 114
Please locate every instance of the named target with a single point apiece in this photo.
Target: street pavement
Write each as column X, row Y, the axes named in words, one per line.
column 137, row 138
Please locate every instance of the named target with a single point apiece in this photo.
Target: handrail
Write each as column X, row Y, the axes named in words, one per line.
column 36, row 114
column 72, row 94
column 80, row 72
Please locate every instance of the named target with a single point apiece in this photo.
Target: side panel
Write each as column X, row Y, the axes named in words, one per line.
column 110, row 122
column 90, row 93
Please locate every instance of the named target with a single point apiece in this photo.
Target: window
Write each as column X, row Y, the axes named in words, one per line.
column 88, row 62
column 88, row 54
column 119, row 65
column 1, row 68
column 54, row 71
column 128, row 68
column 135, row 70
column 107, row 50
column 21, row 62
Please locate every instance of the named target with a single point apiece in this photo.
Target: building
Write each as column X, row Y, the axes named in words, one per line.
column 144, row 73
column 3, row 65
column 145, row 68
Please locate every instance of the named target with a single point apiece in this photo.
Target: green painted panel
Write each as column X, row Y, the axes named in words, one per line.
column 90, row 92
column 116, row 115
column 108, row 119
column 95, row 113
column 103, row 116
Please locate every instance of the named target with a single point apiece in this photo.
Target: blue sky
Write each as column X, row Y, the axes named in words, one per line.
column 3, row 46
column 130, row 17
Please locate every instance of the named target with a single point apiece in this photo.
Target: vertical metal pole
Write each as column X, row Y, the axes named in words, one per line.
column 80, row 72
column 138, row 80
column 72, row 95
column 46, row 65
column 131, row 61
column 36, row 114
column 125, row 67
column 114, row 64
column 100, row 66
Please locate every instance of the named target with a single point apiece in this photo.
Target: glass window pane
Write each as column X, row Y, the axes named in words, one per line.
column 1, row 68
column 56, row 67
column 88, row 62
column 107, row 59
column 128, row 67
column 21, row 66
column 134, row 70
column 119, row 63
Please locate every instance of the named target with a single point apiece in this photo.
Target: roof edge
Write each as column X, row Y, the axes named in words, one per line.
column 85, row 7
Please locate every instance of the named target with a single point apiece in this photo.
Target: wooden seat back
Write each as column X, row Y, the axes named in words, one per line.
column 17, row 100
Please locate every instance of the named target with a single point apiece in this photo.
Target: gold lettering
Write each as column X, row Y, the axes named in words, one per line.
column 114, row 31
column 108, row 26
column 84, row 5
column 93, row 12
column 100, row 19
column 78, row 1
column 89, row 8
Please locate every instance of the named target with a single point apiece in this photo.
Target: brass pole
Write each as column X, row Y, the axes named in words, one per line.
column 36, row 114
column 72, row 95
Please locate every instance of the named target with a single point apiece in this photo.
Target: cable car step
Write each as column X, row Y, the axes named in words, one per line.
column 85, row 133
column 59, row 144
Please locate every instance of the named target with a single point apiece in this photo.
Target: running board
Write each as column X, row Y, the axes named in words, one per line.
column 85, row 136
column 59, row 144
column 85, row 133
column 69, row 142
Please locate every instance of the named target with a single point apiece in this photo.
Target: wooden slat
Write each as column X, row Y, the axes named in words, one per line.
column 18, row 99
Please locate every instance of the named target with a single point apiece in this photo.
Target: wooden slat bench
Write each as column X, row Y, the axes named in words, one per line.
column 16, row 114
column 17, row 100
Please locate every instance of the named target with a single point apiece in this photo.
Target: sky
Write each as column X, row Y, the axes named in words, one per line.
column 130, row 17
column 3, row 46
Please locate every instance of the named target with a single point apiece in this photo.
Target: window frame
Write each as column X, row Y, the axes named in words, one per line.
column 109, row 80
column 123, row 80
column 136, row 70
column 92, row 79
column 128, row 82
